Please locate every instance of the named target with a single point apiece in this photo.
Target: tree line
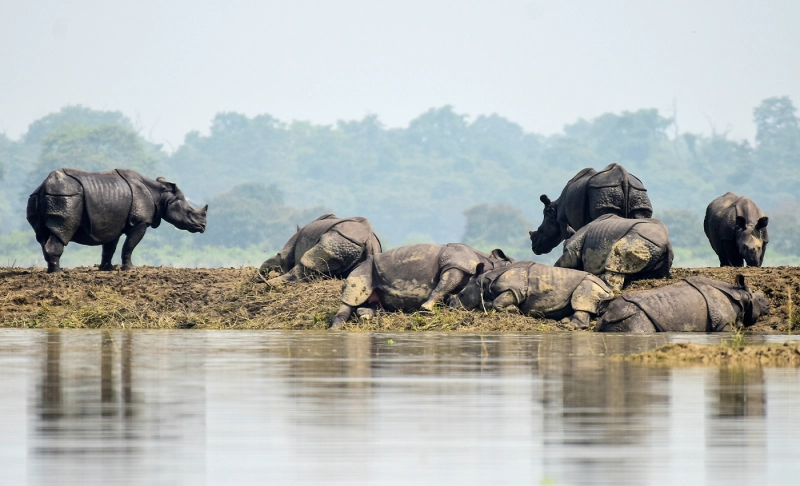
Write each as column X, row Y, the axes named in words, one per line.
column 444, row 177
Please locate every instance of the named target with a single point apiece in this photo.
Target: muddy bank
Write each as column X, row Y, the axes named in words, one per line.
column 222, row 298
column 687, row 354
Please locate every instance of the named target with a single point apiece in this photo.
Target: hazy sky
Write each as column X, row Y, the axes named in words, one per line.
column 172, row 65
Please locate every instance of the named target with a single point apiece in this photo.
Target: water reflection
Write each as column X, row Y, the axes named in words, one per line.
column 290, row 408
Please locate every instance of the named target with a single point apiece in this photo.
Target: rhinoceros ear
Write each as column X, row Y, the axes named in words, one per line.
column 741, row 223
column 762, row 223
column 479, row 269
column 168, row 186
column 500, row 255
column 740, row 281
column 545, row 199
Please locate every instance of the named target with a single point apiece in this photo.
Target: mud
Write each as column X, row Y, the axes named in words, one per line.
column 786, row 355
column 159, row 297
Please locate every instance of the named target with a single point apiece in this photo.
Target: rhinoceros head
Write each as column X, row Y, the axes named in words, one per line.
column 751, row 240
column 549, row 234
column 755, row 304
column 274, row 264
column 178, row 212
column 470, row 297
column 283, row 261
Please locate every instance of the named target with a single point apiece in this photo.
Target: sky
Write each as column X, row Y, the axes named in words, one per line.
column 172, row 65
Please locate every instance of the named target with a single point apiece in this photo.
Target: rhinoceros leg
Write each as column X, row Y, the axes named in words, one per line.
column 731, row 257
column 132, row 239
column 365, row 313
column 614, row 280
column 108, row 252
column 588, row 299
column 505, row 302
column 297, row 273
column 52, row 248
column 341, row 317
column 334, row 255
column 449, row 280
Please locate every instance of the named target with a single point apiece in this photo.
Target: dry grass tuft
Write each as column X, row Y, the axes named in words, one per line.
column 677, row 354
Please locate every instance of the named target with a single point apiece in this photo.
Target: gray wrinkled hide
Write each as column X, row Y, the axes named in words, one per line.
column 328, row 246
column 737, row 230
column 536, row 290
column 96, row 208
column 620, row 250
column 696, row 304
column 586, row 197
column 404, row 278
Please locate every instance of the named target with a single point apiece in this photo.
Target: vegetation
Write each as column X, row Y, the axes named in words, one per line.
column 443, row 178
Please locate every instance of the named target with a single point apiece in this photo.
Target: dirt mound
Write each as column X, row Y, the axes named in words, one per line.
column 159, row 297
column 678, row 354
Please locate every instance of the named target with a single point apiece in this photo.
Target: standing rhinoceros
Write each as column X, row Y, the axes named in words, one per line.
column 696, row 304
column 96, row 208
column 737, row 230
column 537, row 290
column 412, row 277
column 587, row 196
column 327, row 246
column 619, row 250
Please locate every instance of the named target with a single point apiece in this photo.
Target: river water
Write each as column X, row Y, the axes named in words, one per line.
column 234, row 407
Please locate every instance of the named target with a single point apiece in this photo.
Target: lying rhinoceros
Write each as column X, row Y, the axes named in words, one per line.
column 411, row 278
column 328, row 246
column 619, row 250
column 537, row 290
column 96, row 208
column 696, row 304
column 587, row 196
column 737, row 230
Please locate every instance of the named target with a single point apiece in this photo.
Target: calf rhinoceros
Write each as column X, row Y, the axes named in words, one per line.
column 96, row 208
column 737, row 230
column 411, row 278
column 328, row 246
column 537, row 290
column 619, row 250
column 587, row 196
column 696, row 304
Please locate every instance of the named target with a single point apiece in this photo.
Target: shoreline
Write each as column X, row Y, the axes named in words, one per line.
column 231, row 298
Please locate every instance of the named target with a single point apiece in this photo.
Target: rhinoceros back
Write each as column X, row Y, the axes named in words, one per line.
column 673, row 308
column 406, row 275
column 614, row 190
column 107, row 201
column 550, row 289
column 601, row 235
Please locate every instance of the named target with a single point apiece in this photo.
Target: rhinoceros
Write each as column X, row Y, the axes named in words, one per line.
column 537, row 290
column 587, row 196
column 328, row 246
column 696, row 304
column 620, row 250
column 411, row 278
column 96, row 208
column 737, row 230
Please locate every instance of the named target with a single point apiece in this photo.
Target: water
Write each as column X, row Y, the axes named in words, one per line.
column 216, row 407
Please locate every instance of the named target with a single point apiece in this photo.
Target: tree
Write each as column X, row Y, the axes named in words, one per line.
column 491, row 226
column 777, row 132
column 73, row 115
column 93, row 149
column 254, row 214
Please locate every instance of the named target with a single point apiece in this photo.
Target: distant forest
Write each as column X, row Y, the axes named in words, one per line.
column 446, row 177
